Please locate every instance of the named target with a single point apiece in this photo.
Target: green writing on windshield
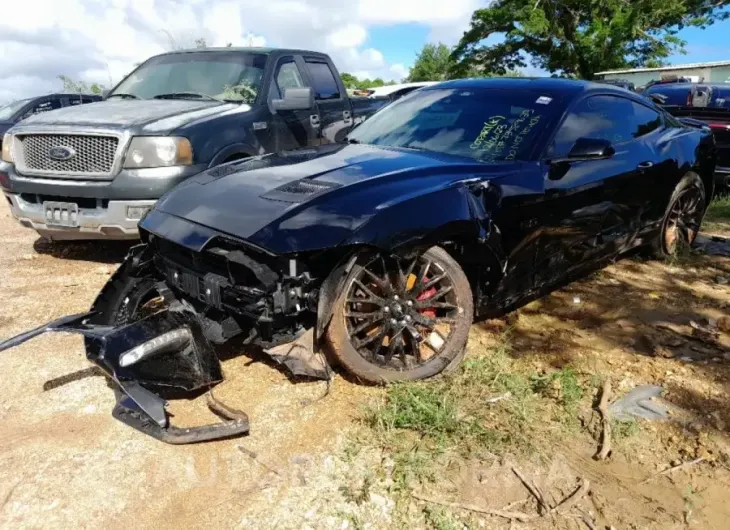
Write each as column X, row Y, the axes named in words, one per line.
column 500, row 139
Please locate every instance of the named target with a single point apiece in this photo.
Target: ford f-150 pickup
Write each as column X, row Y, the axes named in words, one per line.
column 92, row 171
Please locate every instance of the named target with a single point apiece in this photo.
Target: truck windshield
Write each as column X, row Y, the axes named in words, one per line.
column 224, row 75
column 483, row 124
column 9, row 110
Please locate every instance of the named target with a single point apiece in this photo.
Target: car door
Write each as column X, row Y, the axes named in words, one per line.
column 292, row 128
column 593, row 207
column 334, row 105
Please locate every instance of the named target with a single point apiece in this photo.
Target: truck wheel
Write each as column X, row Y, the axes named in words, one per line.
column 402, row 319
column 682, row 218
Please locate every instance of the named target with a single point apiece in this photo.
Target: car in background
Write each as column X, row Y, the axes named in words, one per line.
column 395, row 92
column 669, row 80
column 707, row 103
column 622, row 83
column 21, row 109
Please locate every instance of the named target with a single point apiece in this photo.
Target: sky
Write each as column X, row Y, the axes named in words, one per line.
column 101, row 40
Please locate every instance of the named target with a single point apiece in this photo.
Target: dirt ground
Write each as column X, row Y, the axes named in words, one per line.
column 68, row 463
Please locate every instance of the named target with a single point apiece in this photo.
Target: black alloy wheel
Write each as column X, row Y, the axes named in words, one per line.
column 402, row 317
column 684, row 216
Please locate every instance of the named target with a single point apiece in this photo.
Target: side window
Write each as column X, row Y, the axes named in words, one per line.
column 41, row 106
column 325, row 86
column 644, row 120
column 288, row 76
column 598, row 117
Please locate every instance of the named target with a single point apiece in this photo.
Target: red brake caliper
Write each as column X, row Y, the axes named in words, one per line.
column 425, row 295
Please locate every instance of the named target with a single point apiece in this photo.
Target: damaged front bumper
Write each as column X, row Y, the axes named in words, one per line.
column 164, row 351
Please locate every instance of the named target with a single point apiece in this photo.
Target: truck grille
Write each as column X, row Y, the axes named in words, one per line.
column 90, row 155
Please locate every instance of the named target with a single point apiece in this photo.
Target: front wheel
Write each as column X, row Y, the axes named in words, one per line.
column 402, row 318
column 683, row 217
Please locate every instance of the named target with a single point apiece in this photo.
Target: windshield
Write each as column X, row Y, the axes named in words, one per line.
column 482, row 124
column 224, row 75
column 9, row 110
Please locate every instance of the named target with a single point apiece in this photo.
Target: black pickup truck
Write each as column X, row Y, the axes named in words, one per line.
column 92, row 171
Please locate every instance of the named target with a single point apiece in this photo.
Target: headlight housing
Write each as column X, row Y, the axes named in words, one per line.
column 8, row 148
column 158, row 151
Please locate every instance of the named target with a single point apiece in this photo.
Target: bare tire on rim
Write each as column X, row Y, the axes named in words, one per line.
column 683, row 216
column 402, row 319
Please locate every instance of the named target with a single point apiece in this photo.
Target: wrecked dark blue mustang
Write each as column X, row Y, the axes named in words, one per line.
column 457, row 202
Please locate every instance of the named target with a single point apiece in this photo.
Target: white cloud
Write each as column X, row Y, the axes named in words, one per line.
column 95, row 40
column 351, row 36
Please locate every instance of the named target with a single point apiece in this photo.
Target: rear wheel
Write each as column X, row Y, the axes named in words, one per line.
column 401, row 319
column 683, row 217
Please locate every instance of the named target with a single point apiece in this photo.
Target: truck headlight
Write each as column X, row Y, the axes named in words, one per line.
column 8, row 148
column 158, row 151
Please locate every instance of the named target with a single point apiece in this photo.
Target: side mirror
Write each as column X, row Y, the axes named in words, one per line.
column 105, row 93
column 294, row 99
column 590, row 149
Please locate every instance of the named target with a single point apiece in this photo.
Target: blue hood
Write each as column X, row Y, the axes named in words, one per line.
column 315, row 198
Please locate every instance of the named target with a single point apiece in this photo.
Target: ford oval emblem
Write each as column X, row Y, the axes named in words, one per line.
column 62, row 153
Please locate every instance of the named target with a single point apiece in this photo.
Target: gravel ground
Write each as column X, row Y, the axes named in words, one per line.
column 68, row 463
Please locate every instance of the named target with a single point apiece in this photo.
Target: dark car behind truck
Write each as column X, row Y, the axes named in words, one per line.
column 707, row 103
column 92, row 172
column 22, row 109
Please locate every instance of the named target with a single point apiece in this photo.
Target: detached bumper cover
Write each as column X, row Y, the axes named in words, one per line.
column 193, row 367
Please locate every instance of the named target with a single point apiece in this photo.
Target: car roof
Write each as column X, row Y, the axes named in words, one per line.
column 555, row 86
column 251, row 49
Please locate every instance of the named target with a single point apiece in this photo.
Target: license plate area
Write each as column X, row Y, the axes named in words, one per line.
column 61, row 214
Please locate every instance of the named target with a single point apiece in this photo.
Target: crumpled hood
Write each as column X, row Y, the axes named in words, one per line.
column 304, row 199
column 125, row 113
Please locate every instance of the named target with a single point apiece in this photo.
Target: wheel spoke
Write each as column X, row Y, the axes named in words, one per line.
column 368, row 316
column 378, row 281
column 420, row 318
column 362, row 327
column 423, row 286
column 370, row 338
column 371, row 294
column 427, row 304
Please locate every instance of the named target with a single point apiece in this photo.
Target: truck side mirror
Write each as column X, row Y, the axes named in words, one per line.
column 294, row 99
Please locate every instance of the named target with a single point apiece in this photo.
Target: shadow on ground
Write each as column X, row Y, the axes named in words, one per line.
column 643, row 320
column 96, row 251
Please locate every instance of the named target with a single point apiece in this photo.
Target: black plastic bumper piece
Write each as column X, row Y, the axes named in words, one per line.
column 127, row 411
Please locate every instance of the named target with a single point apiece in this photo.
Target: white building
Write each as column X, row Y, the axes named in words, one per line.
column 714, row 72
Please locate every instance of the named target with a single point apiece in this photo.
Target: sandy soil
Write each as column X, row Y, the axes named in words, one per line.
column 68, row 463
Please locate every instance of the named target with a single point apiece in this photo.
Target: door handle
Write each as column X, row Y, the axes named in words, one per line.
column 645, row 165
column 314, row 120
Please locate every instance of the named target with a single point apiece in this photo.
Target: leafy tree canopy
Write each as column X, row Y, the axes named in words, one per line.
column 580, row 37
column 432, row 64
column 354, row 83
column 80, row 87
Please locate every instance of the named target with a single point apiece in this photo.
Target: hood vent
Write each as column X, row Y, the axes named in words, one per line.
column 299, row 190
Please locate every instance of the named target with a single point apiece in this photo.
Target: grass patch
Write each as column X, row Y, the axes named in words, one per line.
column 717, row 216
column 486, row 407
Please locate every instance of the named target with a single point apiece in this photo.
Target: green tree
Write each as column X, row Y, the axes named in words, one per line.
column 80, row 87
column 349, row 80
column 580, row 37
column 433, row 63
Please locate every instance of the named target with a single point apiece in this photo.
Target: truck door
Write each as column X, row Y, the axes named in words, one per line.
column 292, row 128
column 334, row 106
